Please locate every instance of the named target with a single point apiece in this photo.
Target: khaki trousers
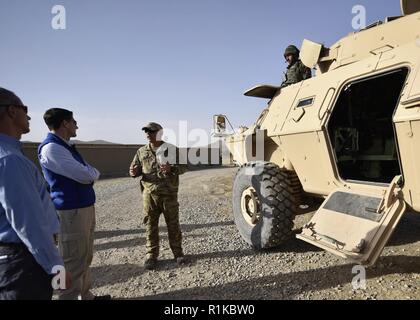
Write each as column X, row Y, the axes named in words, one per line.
column 76, row 246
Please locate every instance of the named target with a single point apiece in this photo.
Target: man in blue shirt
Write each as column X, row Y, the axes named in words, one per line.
column 71, row 180
column 28, row 221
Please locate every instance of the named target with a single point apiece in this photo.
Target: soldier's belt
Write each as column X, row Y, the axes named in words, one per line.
column 150, row 177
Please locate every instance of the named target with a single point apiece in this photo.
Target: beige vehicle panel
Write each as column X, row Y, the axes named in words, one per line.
column 407, row 126
column 304, row 141
column 409, row 144
column 307, row 129
column 353, row 225
column 276, row 115
column 382, row 38
column 318, row 88
column 308, row 152
column 414, row 93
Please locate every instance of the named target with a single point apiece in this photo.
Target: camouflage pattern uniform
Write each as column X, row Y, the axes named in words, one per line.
column 297, row 71
column 160, row 195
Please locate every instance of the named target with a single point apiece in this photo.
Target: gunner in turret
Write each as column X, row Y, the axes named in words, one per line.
column 296, row 71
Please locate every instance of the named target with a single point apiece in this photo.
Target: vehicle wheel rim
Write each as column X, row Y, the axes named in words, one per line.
column 250, row 206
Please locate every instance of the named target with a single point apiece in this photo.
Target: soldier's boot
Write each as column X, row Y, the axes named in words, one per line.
column 181, row 260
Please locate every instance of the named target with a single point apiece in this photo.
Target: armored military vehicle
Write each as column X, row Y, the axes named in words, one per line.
column 349, row 136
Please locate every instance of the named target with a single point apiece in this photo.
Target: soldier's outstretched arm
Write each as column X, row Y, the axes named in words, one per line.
column 135, row 166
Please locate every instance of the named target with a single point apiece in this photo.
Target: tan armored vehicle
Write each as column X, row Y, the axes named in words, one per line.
column 349, row 136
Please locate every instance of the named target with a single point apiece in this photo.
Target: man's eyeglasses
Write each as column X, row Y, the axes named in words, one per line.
column 24, row 108
column 74, row 122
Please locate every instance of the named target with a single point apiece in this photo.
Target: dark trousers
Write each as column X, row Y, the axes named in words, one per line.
column 21, row 277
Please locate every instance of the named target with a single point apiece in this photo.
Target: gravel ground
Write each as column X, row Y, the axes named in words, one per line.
column 222, row 265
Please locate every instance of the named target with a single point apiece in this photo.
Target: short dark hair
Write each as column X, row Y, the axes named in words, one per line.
column 55, row 116
column 8, row 97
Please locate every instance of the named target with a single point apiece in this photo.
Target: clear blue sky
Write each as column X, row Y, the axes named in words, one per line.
column 123, row 63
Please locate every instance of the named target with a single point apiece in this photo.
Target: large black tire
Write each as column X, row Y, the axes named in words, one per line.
column 277, row 197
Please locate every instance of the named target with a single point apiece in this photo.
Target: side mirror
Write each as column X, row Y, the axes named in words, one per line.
column 219, row 126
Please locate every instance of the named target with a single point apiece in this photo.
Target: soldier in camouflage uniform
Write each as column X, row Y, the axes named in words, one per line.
column 296, row 71
column 157, row 166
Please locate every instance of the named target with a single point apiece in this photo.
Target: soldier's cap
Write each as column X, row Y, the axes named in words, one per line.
column 152, row 126
column 291, row 50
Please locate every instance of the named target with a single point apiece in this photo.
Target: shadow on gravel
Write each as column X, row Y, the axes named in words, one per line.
column 116, row 273
column 184, row 227
column 295, row 246
column 136, row 242
column 407, row 231
column 222, row 254
column 288, row 285
column 120, row 273
column 133, row 242
column 116, row 233
column 192, row 227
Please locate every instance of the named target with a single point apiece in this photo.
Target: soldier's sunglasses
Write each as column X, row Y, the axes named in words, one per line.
column 149, row 131
column 24, row 108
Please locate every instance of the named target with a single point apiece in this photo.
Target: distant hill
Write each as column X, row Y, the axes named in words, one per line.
column 92, row 142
